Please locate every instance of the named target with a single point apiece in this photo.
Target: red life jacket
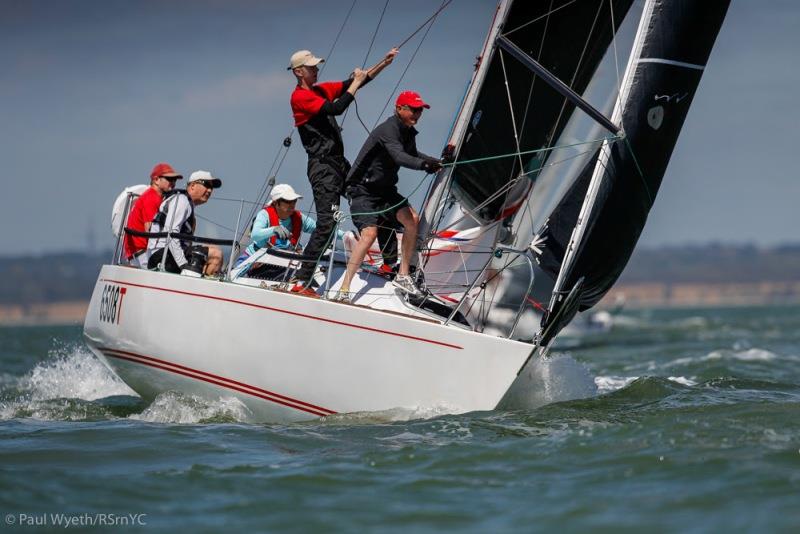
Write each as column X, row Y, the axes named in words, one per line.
column 297, row 224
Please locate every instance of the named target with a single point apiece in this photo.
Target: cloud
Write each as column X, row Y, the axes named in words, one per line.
column 244, row 89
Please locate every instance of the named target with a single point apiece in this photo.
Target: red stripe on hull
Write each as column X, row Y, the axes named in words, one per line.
column 296, row 314
column 217, row 381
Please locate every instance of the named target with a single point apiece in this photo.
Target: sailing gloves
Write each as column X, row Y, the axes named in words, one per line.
column 431, row 165
column 448, row 154
column 281, row 232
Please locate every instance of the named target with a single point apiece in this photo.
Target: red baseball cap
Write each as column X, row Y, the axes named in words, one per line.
column 164, row 169
column 411, row 99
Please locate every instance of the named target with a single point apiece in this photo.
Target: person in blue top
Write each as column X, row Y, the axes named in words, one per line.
column 279, row 224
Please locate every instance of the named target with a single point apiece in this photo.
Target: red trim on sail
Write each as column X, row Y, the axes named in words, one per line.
column 217, row 380
column 296, row 314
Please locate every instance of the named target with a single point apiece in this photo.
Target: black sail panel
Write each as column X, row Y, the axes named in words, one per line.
column 569, row 39
column 674, row 51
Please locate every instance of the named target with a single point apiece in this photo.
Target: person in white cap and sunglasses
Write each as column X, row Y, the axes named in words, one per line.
column 280, row 223
column 176, row 215
column 314, row 107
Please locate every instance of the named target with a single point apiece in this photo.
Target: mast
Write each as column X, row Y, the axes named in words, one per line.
column 433, row 204
column 671, row 48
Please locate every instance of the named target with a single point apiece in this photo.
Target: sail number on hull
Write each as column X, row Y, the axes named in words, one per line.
column 111, row 303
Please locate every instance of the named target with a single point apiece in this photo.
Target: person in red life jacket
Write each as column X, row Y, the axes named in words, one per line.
column 279, row 224
column 372, row 188
column 314, row 107
column 162, row 181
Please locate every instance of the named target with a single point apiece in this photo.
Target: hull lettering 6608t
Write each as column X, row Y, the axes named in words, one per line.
column 111, row 303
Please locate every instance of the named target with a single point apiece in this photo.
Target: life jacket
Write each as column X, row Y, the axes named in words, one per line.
column 297, row 224
column 161, row 217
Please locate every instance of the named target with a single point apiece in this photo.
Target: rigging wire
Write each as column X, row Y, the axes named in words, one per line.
column 429, row 22
column 287, row 141
column 540, row 17
column 432, row 17
column 364, row 62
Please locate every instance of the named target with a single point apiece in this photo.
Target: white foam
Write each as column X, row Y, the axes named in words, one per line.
column 753, row 355
column 394, row 414
column 171, row 407
column 72, row 373
column 50, row 390
column 607, row 384
column 547, row 380
column 682, row 380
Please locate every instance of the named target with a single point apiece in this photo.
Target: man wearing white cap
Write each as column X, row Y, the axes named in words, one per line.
column 176, row 215
column 314, row 107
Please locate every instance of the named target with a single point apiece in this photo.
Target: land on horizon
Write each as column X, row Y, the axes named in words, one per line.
column 56, row 288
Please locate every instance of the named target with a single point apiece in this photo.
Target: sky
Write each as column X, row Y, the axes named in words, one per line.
column 93, row 93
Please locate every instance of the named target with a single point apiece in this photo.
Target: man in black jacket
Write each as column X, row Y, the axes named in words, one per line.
column 372, row 187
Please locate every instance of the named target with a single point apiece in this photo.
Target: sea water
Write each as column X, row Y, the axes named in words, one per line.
column 676, row 421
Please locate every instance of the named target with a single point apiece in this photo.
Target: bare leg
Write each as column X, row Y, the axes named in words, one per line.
column 410, row 220
column 214, row 262
column 360, row 249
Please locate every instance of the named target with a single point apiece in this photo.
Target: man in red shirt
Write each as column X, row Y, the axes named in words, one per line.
column 314, row 107
column 162, row 180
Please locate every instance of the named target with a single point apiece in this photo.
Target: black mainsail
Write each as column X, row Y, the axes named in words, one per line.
column 581, row 212
column 592, row 232
column 515, row 113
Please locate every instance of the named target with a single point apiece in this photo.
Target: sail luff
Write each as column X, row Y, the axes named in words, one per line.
column 602, row 160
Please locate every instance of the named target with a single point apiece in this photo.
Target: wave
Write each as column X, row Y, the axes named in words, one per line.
column 65, row 386
column 178, row 408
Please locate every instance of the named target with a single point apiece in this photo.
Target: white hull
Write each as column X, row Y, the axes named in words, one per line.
column 288, row 357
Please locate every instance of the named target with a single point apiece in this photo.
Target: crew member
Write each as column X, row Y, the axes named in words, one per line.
column 176, row 215
column 372, row 187
column 279, row 223
column 162, row 181
column 314, row 107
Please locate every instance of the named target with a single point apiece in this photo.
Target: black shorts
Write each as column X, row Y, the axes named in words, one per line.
column 171, row 266
column 370, row 208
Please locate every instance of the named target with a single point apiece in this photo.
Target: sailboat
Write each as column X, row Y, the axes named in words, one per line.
column 541, row 181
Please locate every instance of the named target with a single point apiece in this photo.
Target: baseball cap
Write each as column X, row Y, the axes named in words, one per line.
column 304, row 58
column 164, row 169
column 411, row 99
column 283, row 192
column 205, row 176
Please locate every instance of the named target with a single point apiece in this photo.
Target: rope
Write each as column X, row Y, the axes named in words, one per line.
column 414, row 55
column 335, row 41
column 364, row 64
column 444, row 5
column 641, row 174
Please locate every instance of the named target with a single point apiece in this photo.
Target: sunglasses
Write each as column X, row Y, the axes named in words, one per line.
column 413, row 109
column 204, row 183
column 170, row 179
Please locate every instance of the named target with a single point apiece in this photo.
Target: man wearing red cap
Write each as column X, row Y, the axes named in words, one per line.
column 162, row 180
column 315, row 106
column 372, row 187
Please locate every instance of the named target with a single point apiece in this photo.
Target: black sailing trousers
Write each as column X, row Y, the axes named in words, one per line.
column 327, row 183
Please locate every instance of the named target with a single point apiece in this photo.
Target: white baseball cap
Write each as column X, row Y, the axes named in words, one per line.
column 283, row 192
column 205, row 176
column 304, row 58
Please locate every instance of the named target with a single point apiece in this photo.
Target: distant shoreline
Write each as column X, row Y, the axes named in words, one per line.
column 633, row 295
